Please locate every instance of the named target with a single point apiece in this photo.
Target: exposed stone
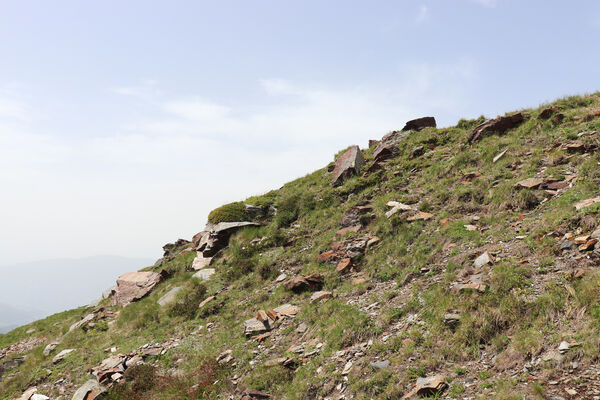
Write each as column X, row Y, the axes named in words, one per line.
column 384, row 364
column 225, row 357
column 218, row 236
column 397, row 206
column 344, row 265
column 388, row 146
column 201, row 262
column 320, row 295
column 347, row 164
column 416, row 152
column 133, row 286
column 420, row 215
column 586, row 203
column 253, row 326
column 483, row 259
column 347, row 368
column 428, row 386
column 82, row 322
column 588, row 245
column 419, row 124
column 348, row 229
column 206, row 301
column 255, row 395
column 169, row 297
column 91, row 386
column 50, row 347
column 62, row 355
column 301, row 283
column 499, row 156
column 204, row 274
column 530, row 183
column 548, row 112
column 38, row 396
column 496, row 125
column 286, row 310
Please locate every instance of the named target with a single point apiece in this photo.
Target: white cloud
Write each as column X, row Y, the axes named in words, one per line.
column 156, row 177
column 12, row 109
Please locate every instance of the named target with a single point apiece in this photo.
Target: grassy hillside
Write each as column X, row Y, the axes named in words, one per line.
column 531, row 329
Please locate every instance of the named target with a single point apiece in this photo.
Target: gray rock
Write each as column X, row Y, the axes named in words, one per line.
column 483, row 259
column 169, row 297
column 204, row 274
column 384, row 364
column 62, row 355
column 347, row 164
column 50, row 347
column 90, row 386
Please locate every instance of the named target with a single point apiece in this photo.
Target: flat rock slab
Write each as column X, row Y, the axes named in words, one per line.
column 133, row 286
column 419, row 124
column 496, row 125
column 204, row 274
column 62, row 355
column 530, row 183
column 320, row 295
column 287, row 310
column 253, row 326
column 201, row 262
column 586, row 203
column 218, row 236
column 430, row 386
column 90, row 387
column 169, row 297
column 347, row 164
column 483, row 259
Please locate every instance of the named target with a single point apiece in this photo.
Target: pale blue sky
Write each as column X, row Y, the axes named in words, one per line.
column 123, row 123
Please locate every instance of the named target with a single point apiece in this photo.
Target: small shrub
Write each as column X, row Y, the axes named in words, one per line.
column 231, row 212
column 188, row 305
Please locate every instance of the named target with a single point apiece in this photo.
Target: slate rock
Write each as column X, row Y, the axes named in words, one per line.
column 133, row 286
column 90, row 387
column 419, row 124
column 347, row 164
column 496, row 125
column 169, row 297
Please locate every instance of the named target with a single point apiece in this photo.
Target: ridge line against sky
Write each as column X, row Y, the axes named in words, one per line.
column 123, row 125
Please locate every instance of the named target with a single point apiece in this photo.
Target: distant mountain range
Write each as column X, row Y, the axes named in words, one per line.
column 33, row 290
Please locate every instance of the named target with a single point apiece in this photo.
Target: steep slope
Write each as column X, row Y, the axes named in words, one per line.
column 458, row 263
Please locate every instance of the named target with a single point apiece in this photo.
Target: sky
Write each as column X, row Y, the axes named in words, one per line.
column 123, row 123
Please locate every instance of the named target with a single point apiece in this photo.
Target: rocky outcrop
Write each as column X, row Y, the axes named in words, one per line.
column 420, row 123
column 347, row 164
column 216, row 237
column 88, row 391
column 496, row 125
column 133, row 286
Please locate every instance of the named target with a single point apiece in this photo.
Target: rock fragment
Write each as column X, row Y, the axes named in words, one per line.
column 496, row 125
column 419, row 124
column 483, row 259
column 347, row 164
column 88, row 391
column 302, row 283
column 62, row 355
column 431, row 386
column 204, row 274
column 586, row 203
column 133, row 286
column 320, row 295
column 169, row 297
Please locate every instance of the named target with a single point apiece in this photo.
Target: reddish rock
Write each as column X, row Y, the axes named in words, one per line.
column 496, row 125
column 348, row 229
column 133, row 286
column 344, row 265
column 420, row 123
column 530, row 183
column 347, row 164
column 548, row 112
column 327, row 256
column 301, row 283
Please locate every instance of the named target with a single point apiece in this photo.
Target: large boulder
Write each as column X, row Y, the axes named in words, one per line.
column 420, row 123
column 496, row 125
column 347, row 164
column 133, row 286
column 216, row 237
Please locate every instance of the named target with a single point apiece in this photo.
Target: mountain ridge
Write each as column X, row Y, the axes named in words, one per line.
column 455, row 262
